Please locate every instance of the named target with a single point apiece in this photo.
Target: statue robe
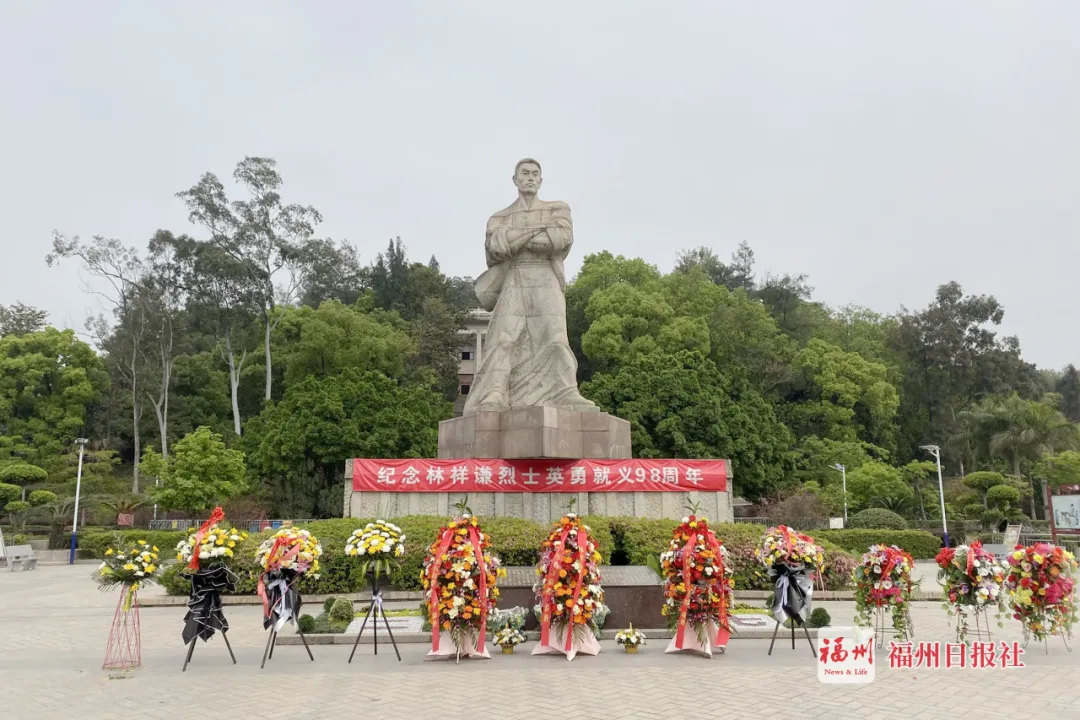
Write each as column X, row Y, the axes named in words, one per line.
column 527, row 359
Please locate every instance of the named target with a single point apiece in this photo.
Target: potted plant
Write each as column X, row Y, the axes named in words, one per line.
column 630, row 639
column 508, row 638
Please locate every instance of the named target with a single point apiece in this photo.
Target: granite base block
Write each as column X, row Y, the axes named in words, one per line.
column 535, row 433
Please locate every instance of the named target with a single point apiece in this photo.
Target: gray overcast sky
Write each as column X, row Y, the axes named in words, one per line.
column 881, row 148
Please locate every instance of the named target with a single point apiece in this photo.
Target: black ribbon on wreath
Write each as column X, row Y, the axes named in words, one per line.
column 792, row 590
column 205, row 615
column 282, row 601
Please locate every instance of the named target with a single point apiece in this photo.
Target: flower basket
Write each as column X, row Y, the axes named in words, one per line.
column 883, row 585
column 630, row 639
column 1040, row 585
column 971, row 579
column 568, row 590
column 130, row 567
column 697, row 587
column 459, row 580
column 508, row 638
column 789, row 558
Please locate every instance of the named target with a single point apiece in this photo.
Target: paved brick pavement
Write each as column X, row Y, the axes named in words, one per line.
column 54, row 624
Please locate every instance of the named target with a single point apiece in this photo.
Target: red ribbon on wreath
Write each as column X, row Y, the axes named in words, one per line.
column 723, row 632
column 474, row 537
column 549, row 588
column 433, row 586
column 215, row 517
column 552, row 577
column 583, row 543
column 271, row 564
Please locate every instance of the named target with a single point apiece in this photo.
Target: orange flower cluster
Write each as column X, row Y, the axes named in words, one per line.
column 452, row 572
column 568, row 581
column 700, row 573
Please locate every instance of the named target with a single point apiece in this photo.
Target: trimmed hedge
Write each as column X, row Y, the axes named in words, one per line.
column 919, row 543
column 641, row 538
column 626, row 539
column 515, row 541
column 877, row 519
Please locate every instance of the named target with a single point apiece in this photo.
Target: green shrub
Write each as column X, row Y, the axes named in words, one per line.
column 341, row 611
column 9, row 493
column 819, row 618
column 306, row 623
column 41, row 497
column 919, row 543
column 16, row 506
column 877, row 519
column 643, row 537
column 328, row 603
column 98, row 541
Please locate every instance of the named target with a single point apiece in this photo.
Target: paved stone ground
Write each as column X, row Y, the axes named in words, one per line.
column 54, row 625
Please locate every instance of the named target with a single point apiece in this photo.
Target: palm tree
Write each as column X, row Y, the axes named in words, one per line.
column 1028, row 430
column 118, row 505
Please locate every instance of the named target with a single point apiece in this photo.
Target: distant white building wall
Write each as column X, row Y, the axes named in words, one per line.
column 470, row 353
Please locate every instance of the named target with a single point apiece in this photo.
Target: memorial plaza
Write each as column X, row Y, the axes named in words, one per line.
column 54, row 625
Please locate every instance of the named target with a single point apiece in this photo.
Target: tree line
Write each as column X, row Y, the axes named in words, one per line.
column 250, row 358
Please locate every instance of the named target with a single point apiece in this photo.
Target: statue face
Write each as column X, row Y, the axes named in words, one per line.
column 527, row 178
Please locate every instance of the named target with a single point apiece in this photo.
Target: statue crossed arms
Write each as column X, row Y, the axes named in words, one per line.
column 527, row 356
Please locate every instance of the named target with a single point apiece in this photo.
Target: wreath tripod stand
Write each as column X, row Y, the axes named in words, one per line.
column 284, row 608
column 374, row 612
column 805, row 631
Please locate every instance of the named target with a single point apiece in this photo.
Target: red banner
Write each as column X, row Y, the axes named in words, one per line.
column 553, row 476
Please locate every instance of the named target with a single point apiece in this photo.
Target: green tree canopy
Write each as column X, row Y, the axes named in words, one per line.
column 301, row 443
column 200, row 474
column 49, row 381
column 682, row 406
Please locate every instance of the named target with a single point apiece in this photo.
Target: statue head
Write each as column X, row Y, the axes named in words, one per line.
column 527, row 176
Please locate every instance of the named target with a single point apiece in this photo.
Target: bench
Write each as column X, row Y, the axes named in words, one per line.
column 21, row 557
column 1009, row 542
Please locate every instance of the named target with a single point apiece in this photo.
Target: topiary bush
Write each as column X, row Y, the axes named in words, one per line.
column 328, row 603
column 41, row 497
column 341, row 611
column 23, row 474
column 819, row 618
column 16, row 506
column 9, row 493
column 306, row 623
column 877, row 519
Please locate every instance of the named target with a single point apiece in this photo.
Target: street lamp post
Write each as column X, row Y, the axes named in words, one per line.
column 81, row 442
column 936, row 452
column 843, row 479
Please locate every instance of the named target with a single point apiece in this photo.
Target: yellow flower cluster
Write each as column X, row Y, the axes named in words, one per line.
column 781, row 544
column 276, row 553
column 218, row 546
column 379, row 537
column 135, row 564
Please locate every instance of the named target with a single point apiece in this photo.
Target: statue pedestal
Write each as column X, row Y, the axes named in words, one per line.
column 535, row 432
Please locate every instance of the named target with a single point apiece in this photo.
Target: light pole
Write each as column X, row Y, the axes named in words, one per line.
column 936, row 452
column 81, row 442
column 843, row 479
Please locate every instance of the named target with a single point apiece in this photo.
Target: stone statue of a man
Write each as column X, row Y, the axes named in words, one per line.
column 527, row 359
